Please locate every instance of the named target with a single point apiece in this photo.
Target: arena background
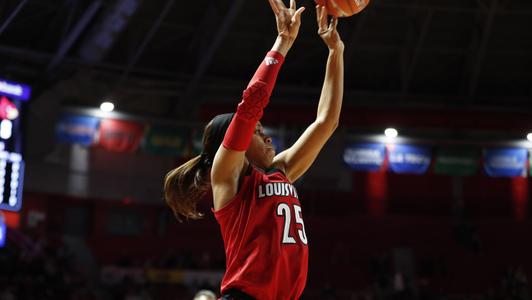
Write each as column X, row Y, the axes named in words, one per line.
column 93, row 225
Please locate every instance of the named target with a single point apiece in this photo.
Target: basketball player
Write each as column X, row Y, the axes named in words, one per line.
column 255, row 202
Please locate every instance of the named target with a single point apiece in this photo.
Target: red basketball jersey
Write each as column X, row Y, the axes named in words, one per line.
column 264, row 237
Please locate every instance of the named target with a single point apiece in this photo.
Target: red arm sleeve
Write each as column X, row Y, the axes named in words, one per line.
column 254, row 99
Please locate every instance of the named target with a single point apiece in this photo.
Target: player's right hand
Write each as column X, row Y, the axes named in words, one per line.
column 288, row 19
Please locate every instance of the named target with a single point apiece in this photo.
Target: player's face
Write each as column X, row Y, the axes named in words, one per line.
column 261, row 150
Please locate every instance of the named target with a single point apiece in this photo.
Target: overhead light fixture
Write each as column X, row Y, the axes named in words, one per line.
column 391, row 133
column 529, row 137
column 107, row 106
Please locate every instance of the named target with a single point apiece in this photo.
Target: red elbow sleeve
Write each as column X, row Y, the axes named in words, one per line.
column 254, row 100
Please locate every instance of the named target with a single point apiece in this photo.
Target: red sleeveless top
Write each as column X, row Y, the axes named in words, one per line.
column 264, row 236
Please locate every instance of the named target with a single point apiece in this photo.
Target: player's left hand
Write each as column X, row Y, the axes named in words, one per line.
column 327, row 30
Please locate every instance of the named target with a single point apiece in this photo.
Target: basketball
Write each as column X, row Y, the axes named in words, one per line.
column 343, row 8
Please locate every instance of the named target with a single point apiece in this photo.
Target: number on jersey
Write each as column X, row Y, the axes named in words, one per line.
column 283, row 210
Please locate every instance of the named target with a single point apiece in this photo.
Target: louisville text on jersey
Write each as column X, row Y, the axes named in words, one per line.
column 277, row 189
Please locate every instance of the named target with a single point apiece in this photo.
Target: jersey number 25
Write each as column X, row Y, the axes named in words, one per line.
column 283, row 210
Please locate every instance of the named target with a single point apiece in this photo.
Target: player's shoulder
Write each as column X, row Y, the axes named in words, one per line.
column 268, row 171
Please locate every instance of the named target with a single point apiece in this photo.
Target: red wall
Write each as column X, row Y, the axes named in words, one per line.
column 343, row 231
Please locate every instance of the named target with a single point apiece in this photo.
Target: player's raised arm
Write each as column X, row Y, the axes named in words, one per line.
column 229, row 161
column 298, row 158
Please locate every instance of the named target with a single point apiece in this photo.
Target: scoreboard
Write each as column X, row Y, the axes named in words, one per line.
column 12, row 97
column 11, row 179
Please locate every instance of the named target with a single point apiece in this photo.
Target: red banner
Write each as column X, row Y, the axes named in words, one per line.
column 11, row 219
column 120, row 136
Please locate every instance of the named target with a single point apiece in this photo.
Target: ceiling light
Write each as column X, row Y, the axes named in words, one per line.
column 107, row 106
column 391, row 132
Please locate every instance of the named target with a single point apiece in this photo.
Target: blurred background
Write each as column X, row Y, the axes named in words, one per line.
column 422, row 193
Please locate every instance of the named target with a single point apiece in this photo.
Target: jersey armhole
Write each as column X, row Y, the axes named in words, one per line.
column 236, row 198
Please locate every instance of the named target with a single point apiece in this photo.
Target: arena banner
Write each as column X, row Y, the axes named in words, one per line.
column 407, row 159
column 365, row 157
column 505, row 162
column 11, row 219
column 76, row 129
column 121, row 136
column 172, row 141
column 457, row 161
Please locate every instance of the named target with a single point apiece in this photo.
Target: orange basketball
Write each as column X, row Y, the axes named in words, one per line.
column 343, row 8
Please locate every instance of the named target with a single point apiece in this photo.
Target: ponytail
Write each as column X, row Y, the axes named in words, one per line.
column 184, row 186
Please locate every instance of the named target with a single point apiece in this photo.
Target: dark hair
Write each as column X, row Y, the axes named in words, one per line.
column 185, row 185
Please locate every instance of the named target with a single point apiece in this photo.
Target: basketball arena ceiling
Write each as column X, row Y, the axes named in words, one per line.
column 168, row 56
